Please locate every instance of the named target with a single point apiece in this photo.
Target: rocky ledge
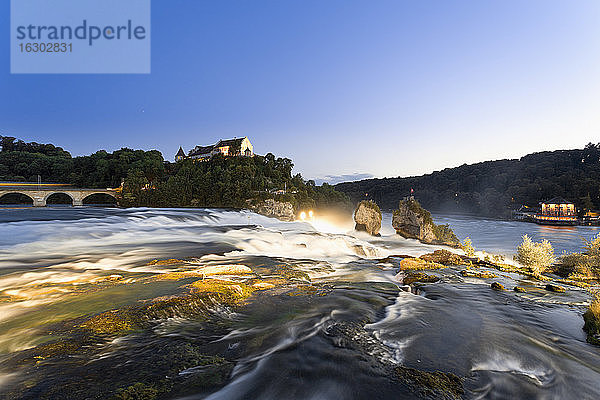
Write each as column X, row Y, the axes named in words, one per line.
column 282, row 210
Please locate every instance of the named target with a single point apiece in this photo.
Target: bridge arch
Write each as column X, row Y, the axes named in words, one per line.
column 16, row 193
column 73, row 201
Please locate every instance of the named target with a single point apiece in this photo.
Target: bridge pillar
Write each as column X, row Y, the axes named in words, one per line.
column 77, row 202
column 39, row 201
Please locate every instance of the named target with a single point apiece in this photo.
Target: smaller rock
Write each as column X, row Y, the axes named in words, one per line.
column 413, row 277
column 497, row 286
column 555, row 288
column 443, row 257
column 419, row 264
column 477, row 274
column 519, row 289
column 263, row 285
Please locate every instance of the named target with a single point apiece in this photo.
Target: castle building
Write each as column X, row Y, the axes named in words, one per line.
column 180, row 154
column 236, row 147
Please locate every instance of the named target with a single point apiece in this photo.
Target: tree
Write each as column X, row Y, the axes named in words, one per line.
column 536, row 256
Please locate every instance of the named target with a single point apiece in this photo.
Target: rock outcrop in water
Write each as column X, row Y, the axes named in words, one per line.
column 555, row 288
column 421, row 384
column 412, row 221
column 368, row 217
column 282, row 210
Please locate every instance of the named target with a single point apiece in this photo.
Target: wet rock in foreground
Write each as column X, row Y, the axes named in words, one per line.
column 555, row 288
column 413, row 277
column 422, row 384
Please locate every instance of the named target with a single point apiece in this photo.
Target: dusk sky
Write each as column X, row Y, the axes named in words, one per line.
column 382, row 88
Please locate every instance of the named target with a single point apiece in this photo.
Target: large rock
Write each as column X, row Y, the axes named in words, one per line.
column 412, row 224
column 282, row 210
column 412, row 221
column 368, row 217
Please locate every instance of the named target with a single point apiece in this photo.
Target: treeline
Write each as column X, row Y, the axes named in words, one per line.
column 23, row 162
column 150, row 181
column 493, row 188
column 229, row 182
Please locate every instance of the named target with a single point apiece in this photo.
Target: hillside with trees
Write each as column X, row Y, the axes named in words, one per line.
column 492, row 188
column 150, row 181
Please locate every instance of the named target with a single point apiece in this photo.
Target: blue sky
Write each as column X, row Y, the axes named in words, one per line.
column 383, row 88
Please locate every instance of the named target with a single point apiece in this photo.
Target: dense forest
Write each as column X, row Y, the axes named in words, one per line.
column 493, row 188
column 150, row 181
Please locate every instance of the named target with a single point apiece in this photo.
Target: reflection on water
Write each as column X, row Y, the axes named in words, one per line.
column 340, row 341
column 503, row 237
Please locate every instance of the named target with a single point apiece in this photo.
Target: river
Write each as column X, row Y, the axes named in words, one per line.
column 337, row 328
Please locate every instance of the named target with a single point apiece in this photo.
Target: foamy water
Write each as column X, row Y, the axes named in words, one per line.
column 504, row 345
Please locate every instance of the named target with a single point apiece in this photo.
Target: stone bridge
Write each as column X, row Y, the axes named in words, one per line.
column 40, row 193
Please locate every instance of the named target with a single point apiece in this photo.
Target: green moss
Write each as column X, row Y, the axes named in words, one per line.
column 290, row 273
column 56, row 348
column 110, row 322
column 497, row 286
column 229, row 291
column 477, row 274
column 413, row 277
column 419, row 264
column 443, row 257
column 137, row 391
column 370, row 204
column 445, row 234
column 435, row 384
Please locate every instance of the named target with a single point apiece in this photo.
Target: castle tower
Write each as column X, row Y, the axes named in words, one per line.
column 180, row 154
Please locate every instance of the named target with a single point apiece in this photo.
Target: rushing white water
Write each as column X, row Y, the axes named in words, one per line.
column 504, row 345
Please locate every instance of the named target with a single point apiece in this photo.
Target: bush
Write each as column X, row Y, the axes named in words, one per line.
column 536, row 256
column 444, row 233
column 468, row 248
column 582, row 265
column 592, row 320
column 370, row 204
column 592, row 247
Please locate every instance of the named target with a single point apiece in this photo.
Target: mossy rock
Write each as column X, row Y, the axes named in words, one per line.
column 419, row 264
column 228, row 269
column 573, row 283
column 235, row 291
column 443, row 257
column 519, row 289
column 555, row 288
column 413, row 277
column 477, row 274
column 439, row 385
column 497, row 286
column 137, row 391
column 111, row 322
